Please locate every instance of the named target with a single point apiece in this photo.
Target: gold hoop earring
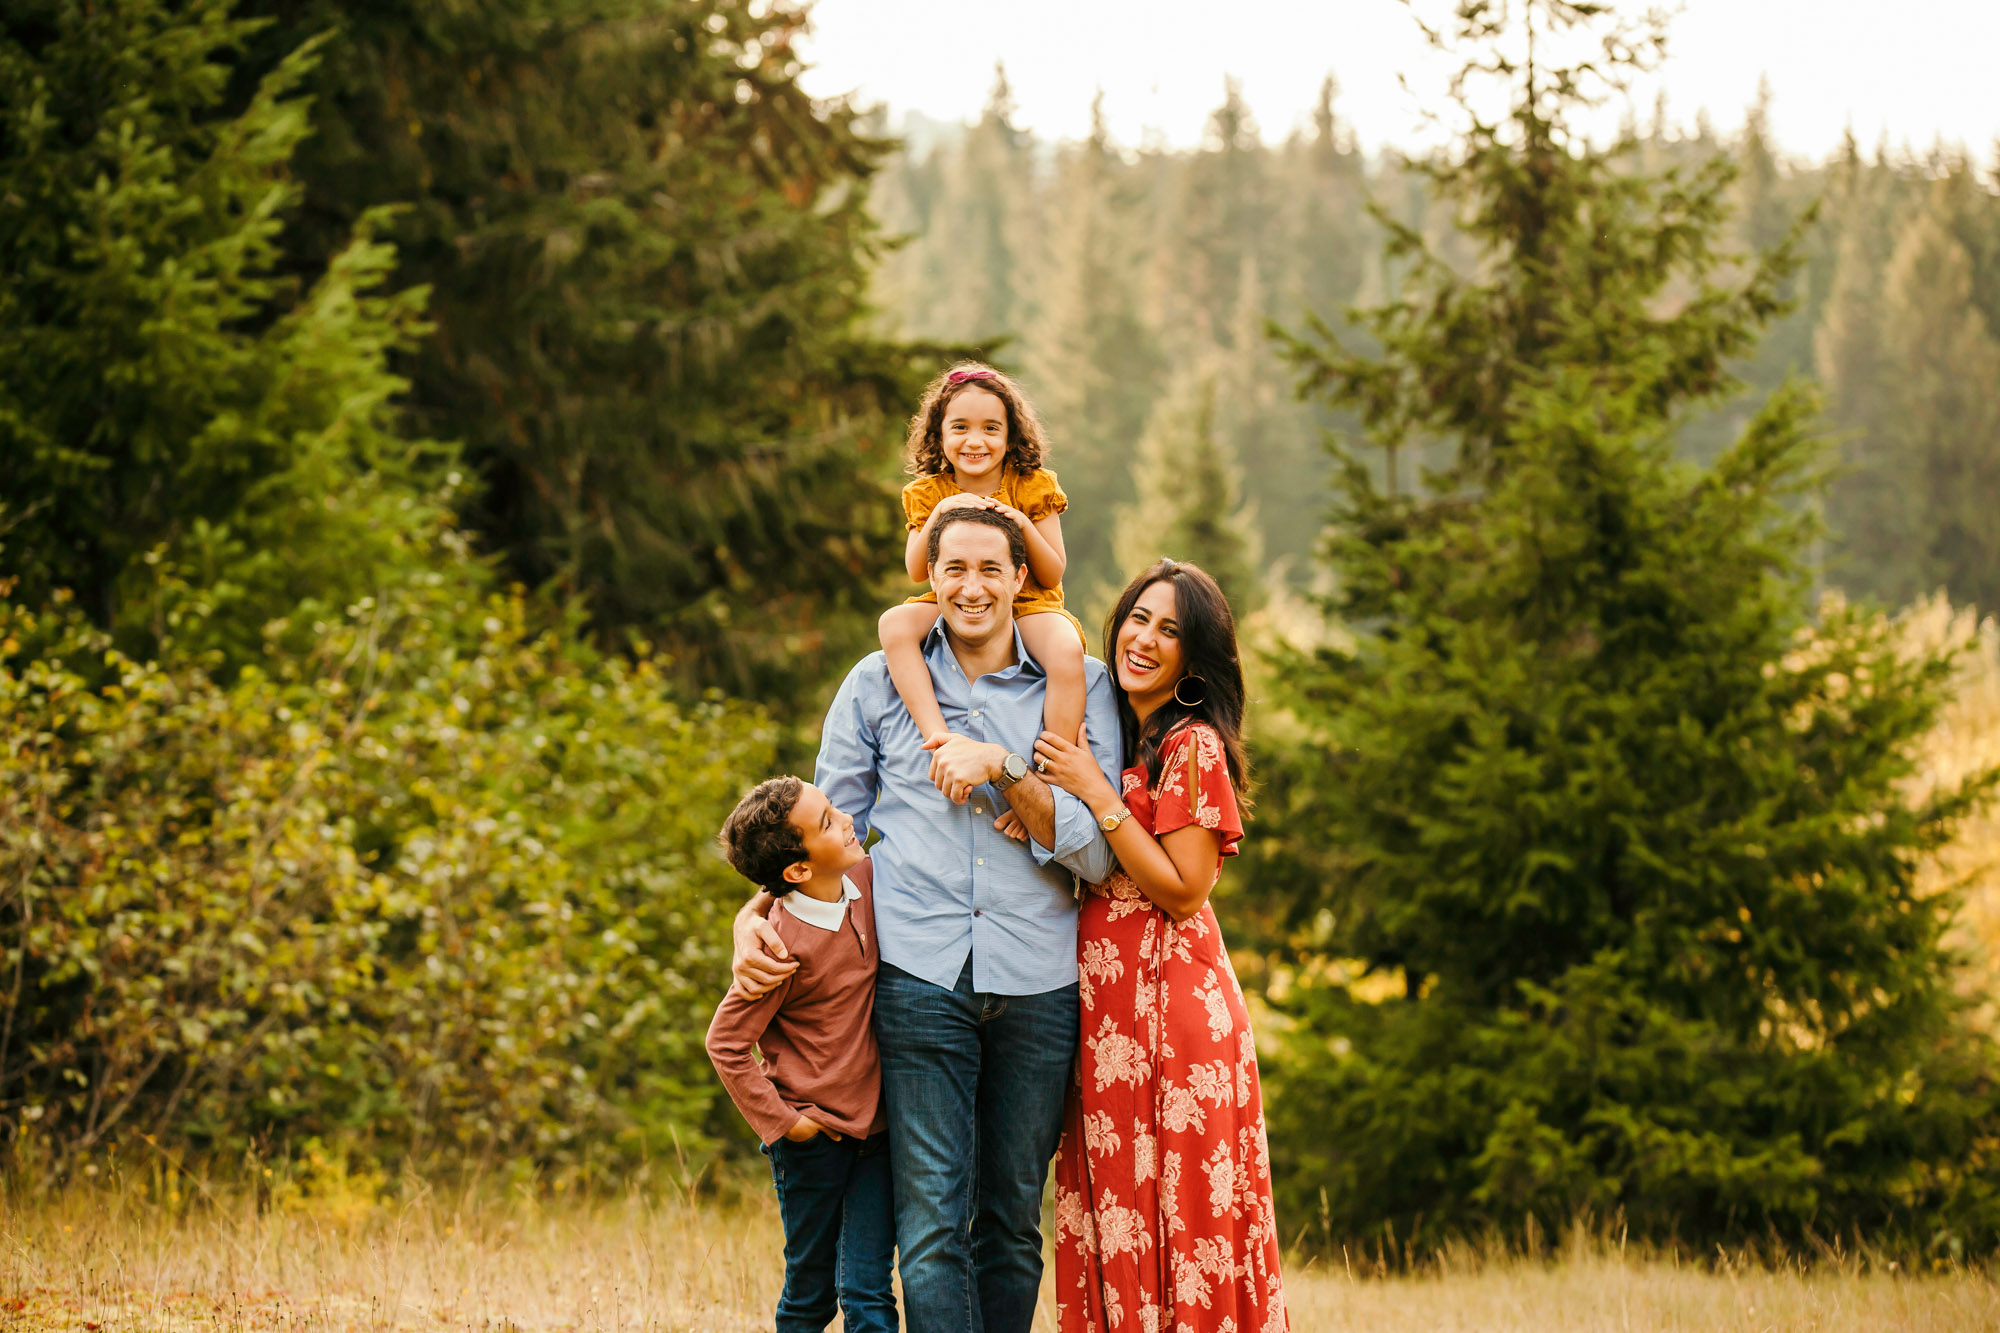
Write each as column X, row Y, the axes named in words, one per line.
column 1191, row 703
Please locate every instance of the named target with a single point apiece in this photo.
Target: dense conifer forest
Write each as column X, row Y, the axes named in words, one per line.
column 1137, row 289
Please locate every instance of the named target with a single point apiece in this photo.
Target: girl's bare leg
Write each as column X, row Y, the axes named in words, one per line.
column 903, row 629
column 1054, row 642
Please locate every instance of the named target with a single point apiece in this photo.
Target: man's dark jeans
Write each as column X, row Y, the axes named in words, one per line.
column 840, row 1238
column 974, row 1086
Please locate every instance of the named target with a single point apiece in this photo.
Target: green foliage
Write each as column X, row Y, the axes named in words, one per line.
column 1122, row 264
column 1129, row 277
column 1186, row 487
column 1634, row 839
column 1094, row 364
column 169, row 403
column 441, row 888
column 647, row 249
column 1910, row 358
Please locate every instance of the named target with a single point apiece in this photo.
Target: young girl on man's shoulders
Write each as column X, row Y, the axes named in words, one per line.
column 975, row 440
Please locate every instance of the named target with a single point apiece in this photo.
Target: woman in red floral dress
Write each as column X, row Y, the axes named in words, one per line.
column 1164, row 1222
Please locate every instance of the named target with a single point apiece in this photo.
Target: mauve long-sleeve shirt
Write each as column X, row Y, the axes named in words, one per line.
column 815, row 1029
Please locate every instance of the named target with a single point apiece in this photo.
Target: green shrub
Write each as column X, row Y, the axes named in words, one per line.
column 440, row 888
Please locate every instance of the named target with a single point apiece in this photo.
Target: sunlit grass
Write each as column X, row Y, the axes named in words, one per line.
column 112, row 1259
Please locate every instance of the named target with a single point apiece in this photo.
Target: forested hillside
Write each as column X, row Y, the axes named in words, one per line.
column 1135, row 286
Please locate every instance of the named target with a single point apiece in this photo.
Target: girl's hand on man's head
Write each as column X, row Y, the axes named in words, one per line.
column 1013, row 515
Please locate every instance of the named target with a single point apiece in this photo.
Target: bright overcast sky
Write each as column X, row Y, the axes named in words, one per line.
column 1918, row 70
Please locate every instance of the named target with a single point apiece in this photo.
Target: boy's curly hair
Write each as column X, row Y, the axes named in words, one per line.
column 1027, row 447
column 758, row 837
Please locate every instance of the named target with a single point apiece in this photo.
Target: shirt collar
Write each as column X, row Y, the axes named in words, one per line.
column 1024, row 661
column 827, row 916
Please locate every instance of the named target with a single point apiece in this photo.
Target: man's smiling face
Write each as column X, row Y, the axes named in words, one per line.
column 975, row 579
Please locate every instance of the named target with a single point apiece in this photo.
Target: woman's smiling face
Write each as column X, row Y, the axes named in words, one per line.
column 1148, row 650
column 975, row 434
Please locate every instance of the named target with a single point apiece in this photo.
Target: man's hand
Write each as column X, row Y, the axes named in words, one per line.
column 961, row 763
column 760, row 959
column 806, row 1128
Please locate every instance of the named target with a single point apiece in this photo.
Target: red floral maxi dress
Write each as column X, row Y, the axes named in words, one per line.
column 1164, row 1221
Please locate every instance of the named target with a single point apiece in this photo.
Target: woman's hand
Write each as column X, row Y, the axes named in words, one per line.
column 1071, row 766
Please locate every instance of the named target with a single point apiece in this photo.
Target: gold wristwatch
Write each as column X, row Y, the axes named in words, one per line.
column 1111, row 821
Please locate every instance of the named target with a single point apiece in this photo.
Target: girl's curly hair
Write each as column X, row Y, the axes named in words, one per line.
column 1027, row 447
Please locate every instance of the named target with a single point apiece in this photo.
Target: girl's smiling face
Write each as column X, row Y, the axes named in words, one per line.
column 1149, row 658
column 975, row 437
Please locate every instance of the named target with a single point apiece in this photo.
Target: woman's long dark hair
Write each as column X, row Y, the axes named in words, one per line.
column 1208, row 650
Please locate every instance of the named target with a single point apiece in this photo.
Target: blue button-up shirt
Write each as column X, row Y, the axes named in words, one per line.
column 947, row 883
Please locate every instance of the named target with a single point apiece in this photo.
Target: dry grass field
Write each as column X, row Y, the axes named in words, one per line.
column 127, row 1261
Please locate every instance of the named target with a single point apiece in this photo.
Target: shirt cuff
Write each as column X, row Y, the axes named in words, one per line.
column 1080, row 844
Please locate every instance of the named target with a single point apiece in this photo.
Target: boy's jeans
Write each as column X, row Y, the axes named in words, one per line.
column 974, row 1085
column 840, row 1233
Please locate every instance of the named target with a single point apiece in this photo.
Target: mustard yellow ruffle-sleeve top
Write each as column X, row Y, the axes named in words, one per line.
column 1037, row 494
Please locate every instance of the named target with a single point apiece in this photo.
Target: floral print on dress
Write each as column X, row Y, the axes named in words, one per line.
column 1167, row 1227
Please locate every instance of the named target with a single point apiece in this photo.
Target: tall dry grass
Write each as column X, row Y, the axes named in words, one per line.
column 116, row 1258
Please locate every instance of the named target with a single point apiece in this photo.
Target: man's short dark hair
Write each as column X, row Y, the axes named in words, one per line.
column 758, row 837
column 1017, row 545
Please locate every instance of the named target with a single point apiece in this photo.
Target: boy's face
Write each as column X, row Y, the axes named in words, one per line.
column 831, row 846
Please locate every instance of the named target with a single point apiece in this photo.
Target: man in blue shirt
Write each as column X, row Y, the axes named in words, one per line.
column 976, row 1004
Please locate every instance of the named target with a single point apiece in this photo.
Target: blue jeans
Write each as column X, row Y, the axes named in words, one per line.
column 839, row 1216
column 974, row 1086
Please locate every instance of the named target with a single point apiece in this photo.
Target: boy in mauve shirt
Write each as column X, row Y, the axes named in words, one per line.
column 816, row 1100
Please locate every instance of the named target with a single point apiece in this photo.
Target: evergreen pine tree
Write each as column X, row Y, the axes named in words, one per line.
column 1942, row 435
column 648, row 249
column 986, row 267
column 1332, row 243
column 1091, row 360
column 1767, row 207
column 1973, row 209
column 174, row 413
column 1630, row 837
column 1222, row 219
column 1186, row 486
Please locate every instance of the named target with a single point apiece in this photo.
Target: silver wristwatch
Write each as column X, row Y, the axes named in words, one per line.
column 1012, row 769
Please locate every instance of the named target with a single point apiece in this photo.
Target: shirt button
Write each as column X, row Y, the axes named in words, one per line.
column 982, row 860
column 978, row 809
column 977, row 912
column 975, row 712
